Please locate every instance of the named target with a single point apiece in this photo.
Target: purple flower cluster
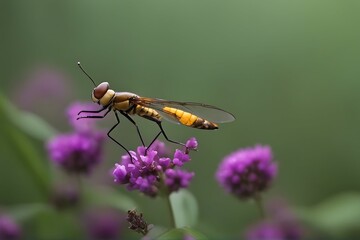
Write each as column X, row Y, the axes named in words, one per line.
column 9, row 229
column 149, row 171
column 248, row 171
column 79, row 151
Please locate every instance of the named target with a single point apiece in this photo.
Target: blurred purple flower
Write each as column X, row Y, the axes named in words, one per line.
column 247, row 171
column 84, row 124
column 44, row 91
column 149, row 172
column 44, row 83
column 9, row 229
column 77, row 152
column 281, row 223
column 104, row 224
column 188, row 237
column 265, row 231
column 270, row 230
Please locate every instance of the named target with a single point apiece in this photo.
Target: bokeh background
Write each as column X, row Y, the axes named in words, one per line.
column 288, row 70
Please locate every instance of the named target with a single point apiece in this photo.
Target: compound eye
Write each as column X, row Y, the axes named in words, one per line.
column 100, row 90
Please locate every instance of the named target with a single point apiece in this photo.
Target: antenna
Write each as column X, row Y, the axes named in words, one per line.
column 79, row 64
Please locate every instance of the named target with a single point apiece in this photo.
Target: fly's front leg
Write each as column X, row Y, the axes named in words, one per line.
column 93, row 111
column 118, row 122
column 133, row 122
column 94, row 116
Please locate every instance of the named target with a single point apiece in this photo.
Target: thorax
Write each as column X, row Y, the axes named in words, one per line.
column 121, row 100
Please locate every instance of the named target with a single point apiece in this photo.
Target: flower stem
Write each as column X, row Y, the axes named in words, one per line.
column 259, row 203
column 80, row 188
column 172, row 216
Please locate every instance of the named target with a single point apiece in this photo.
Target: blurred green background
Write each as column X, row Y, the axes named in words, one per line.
column 288, row 70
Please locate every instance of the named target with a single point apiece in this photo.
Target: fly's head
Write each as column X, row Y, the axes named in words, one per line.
column 102, row 95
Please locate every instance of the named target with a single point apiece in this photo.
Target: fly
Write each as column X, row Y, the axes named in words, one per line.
column 191, row 114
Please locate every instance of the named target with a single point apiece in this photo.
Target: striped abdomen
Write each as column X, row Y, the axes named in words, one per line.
column 189, row 119
column 146, row 112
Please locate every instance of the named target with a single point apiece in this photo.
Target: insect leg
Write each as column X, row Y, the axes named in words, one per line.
column 152, row 142
column 96, row 111
column 161, row 131
column 133, row 122
column 93, row 116
column 118, row 121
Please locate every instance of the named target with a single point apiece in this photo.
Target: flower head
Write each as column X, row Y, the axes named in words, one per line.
column 77, row 152
column 247, row 171
column 43, row 83
column 81, row 150
column 9, row 229
column 148, row 171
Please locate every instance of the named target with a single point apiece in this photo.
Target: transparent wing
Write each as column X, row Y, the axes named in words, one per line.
column 208, row 112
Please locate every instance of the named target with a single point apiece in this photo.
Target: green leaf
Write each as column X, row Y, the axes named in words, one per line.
column 28, row 211
column 181, row 233
column 27, row 122
column 27, row 155
column 185, row 208
column 338, row 216
column 105, row 196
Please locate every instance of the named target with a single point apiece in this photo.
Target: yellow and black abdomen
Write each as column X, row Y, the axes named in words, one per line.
column 189, row 119
column 146, row 112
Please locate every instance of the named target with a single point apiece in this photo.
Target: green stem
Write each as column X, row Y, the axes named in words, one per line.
column 259, row 203
column 81, row 191
column 172, row 217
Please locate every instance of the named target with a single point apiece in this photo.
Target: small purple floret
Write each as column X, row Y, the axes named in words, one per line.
column 247, row 171
column 191, row 144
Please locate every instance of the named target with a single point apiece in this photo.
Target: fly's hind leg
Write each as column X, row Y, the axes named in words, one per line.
column 166, row 137
column 161, row 131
